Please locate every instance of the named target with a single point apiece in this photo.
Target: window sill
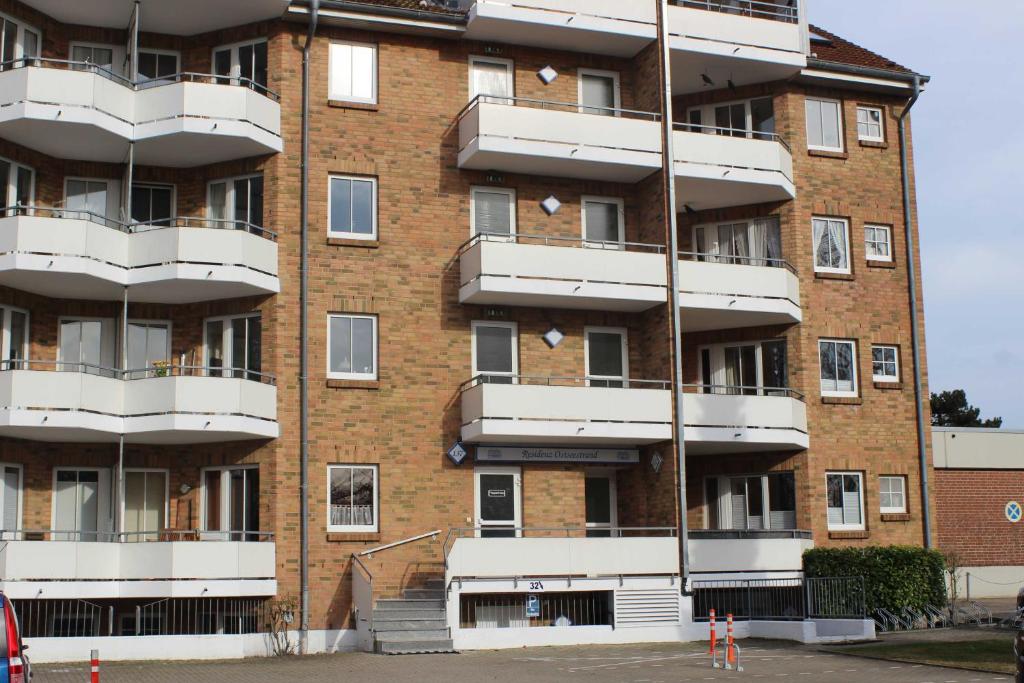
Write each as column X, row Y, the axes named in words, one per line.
column 833, row 276
column 343, row 104
column 842, row 400
column 371, row 384
column 353, row 536
column 895, row 517
column 891, row 265
column 874, row 144
column 349, row 242
column 888, row 386
column 848, row 535
column 826, row 154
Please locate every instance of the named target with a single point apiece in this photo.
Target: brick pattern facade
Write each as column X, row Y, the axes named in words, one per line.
column 971, row 519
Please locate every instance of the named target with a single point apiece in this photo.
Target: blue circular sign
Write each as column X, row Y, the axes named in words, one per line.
column 1014, row 511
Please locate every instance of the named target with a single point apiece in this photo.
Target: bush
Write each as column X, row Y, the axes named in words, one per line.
column 894, row 576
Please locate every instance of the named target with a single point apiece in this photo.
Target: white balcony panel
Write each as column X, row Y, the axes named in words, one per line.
column 525, row 139
column 578, row 557
column 181, row 17
column 740, row 424
column 553, row 415
column 510, row 274
column 119, row 570
column 710, row 555
column 610, row 27
column 729, row 46
column 722, row 296
column 716, row 171
column 79, row 259
column 73, row 406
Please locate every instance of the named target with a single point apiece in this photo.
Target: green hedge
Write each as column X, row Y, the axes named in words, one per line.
column 894, row 576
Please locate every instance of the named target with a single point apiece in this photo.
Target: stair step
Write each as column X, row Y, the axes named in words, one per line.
column 423, row 594
column 411, row 636
column 408, row 604
column 416, row 647
column 409, row 615
column 408, row 624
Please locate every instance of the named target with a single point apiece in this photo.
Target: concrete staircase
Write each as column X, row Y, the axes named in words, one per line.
column 415, row 624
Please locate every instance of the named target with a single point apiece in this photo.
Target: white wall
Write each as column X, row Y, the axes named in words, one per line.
column 978, row 449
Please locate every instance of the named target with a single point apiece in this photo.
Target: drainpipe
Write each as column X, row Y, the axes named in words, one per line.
column 314, row 9
column 908, row 236
column 668, row 173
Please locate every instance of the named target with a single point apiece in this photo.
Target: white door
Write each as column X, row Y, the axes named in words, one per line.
column 81, row 505
column 495, row 352
column 498, row 502
column 490, row 77
column 149, row 345
column 10, row 501
column 599, row 93
column 145, row 504
column 88, row 346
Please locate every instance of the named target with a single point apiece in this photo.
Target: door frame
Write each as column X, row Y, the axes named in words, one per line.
column 611, row 476
column 624, row 334
column 600, row 73
column 167, row 492
column 476, row 372
column 104, row 491
column 221, row 534
column 517, row 491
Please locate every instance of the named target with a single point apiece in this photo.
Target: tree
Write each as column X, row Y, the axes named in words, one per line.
column 951, row 409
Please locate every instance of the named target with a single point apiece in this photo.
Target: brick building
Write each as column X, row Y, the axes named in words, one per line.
column 489, row 229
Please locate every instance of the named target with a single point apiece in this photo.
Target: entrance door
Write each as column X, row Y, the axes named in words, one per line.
column 498, row 502
column 81, row 504
column 602, row 517
column 145, row 504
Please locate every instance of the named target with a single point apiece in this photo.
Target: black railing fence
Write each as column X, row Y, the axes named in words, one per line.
column 780, row 599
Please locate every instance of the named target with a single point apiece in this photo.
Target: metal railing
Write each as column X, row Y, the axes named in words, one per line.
column 202, row 616
column 39, row 211
column 168, row 369
column 558, row 241
column 750, row 534
column 510, row 610
column 781, row 599
column 741, row 390
column 836, row 597
column 153, row 536
column 748, row 133
column 532, row 380
column 556, row 105
column 517, row 532
column 753, row 261
column 786, row 11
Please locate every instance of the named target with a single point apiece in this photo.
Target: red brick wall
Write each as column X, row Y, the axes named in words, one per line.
column 971, row 519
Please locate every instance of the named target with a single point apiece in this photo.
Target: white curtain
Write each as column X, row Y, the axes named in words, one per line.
column 758, row 243
column 838, row 239
column 491, row 78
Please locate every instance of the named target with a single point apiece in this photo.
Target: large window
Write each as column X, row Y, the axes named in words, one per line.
column 233, row 346
column 156, row 66
column 749, row 368
column 845, row 500
column 85, row 54
column 352, row 344
column 491, row 76
column 14, row 343
column 352, row 207
column 892, row 494
column 352, row 75
column 878, row 242
column 599, row 92
column 495, row 351
column 145, row 504
column 353, row 498
column 81, row 504
column 885, row 366
column 92, row 199
column 492, row 211
column 17, row 184
column 17, row 41
column 755, row 242
column 751, row 502
column 838, row 361
column 231, row 503
column 607, row 356
column 746, row 119
column 153, row 204
column 824, row 125
column 869, row 124
column 149, row 348
column 88, row 345
column 242, row 63
column 831, row 245
column 236, row 199
column 604, row 222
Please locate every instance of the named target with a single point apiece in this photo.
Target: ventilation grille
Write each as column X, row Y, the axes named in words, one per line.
column 658, row 607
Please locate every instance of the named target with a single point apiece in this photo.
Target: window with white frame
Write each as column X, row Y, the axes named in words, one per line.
column 885, row 365
column 845, row 500
column 761, row 501
column 749, row 368
column 604, row 220
column 352, row 73
column 491, row 76
column 231, row 503
column 236, row 199
column 14, row 342
column 242, row 63
column 92, row 199
column 352, row 207
column 10, row 501
column 831, row 245
column 149, row 348
column 755, row 242
column 838, row 367
column 233, row 346
column 824, row 125
column 17, row 41
column 878, row 242
column 744, row 119
column 352, row 346
column 606, row 356
column 157, row 66
column 492, row 211
column 108, row 57
column 869, row 124
column 354, row 498
column 892, row 494
column 599, row 92
column 495, row 351
column 17, row 184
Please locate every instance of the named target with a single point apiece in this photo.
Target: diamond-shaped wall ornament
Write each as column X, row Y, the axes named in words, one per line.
column 656, row 462
column 547, row 74
column 551, row 205
column 553, row 337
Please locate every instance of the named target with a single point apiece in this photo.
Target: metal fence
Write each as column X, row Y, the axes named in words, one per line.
column 786, row 11
column 512, row 610
column 781, row 599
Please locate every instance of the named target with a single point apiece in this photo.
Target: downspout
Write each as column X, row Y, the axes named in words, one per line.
column 668, row 175
column 314, row 9
column 908, row 236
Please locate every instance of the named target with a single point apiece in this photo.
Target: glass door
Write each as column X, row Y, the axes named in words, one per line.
column 599, row 93
column 741, row 370
column 731, row 120
column 602, row 515
column 81, row 505
column 775, row 368
column 156, row 68
column 153, row 205
column 234, row 347
column 490, row 77
column 498, row 502
column 10, row 502
column 606, row 357
column 88, row 346
column 145, row 505
column 239, row 200
column 603, row 221
column 231, row 504
column 495, row 356
column 15, row 338
column 244, row 64
column 149, row 349
column 16, row 187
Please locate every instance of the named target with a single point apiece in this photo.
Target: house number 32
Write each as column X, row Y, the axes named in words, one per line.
column 536, row 586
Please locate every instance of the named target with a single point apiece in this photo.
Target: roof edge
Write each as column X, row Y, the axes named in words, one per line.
column 382, row 10
column 874, row 72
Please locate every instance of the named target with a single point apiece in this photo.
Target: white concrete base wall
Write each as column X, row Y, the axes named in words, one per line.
column 992, row 582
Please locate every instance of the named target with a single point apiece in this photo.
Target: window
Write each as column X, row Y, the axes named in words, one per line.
column 87, row 345
column 231, row 503
column 491, row 76
column 869, row 124
column 757, row 242
column 492, row 211
column 892, row 494
column 242, row 64
column 92, row 199
column 352, row 344
column 17, row 184
column 599, row 92
column 352, row 207
column 878, row 242
column 10, row 501
column 745, row 119
column 14, row 343
column 603, row 222
column 824, row 125
column 607, row 357
column 353, row 498
column 495, row 352
column 16, row 41
column 752, row 369
column 884, row 364
column 236, row 199
column 831, row 245
column 153, row 204
column 845, row 500
column 600, row 504
column 96, row 55
column 838, row 367
column 145, row 504
column 233, row 346
column 81, row 504
column 149, row 348
column 352, row 75
column 764, row 501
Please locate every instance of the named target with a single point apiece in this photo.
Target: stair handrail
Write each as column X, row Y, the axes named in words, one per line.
column 404, row 541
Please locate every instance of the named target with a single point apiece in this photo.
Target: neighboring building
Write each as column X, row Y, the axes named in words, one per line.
column 488, row 263
column 979, row 505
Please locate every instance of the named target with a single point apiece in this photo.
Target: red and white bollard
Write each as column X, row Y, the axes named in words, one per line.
column 94, row 664
column 730, row 652
column 713, row 635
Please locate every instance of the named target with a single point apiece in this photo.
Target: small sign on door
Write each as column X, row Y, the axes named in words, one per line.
column 496, row 493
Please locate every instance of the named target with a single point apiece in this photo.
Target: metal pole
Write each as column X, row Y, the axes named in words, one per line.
column 133, row 63
column 668, row 173
column 120, row 442
column 915, row 341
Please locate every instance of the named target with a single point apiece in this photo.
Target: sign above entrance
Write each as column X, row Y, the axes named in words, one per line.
column 586, row 456
column 457, row 453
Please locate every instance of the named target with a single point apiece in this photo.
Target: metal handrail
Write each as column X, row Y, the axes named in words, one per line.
column 748, row 133
column 74, row 65
column 750, row 534
column 78, row 535
column 201, row 222
column 536, row 380
column 554, row 104
column 457, row 532
column 756, row 261
column 757, row 9
column 741, row 390
column 547, row 239
column 132, row 374
column 41, row 211
column 406, row 541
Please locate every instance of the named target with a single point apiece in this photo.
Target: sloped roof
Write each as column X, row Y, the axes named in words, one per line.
column 828, row 47
column 431, row 6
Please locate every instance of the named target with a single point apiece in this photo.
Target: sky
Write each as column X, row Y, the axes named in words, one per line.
column 970, row 181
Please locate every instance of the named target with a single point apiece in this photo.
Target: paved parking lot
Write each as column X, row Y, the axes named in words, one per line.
column 659, row 663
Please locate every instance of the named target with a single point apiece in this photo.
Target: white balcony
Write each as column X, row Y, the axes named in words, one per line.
column 715, row 170
column 73, row 255
column 757, row 554
column 536, row 411
column 511, row 272
column 722, row 296
column 518, row 135
column 93, row 115
column 731, row 421
column 180, row 569
column 84, row 407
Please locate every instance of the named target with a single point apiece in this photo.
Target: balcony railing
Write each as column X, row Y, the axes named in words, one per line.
column 555, row 105
column 40, row 211
column 154, row 536
column 539, row 381
column 558, row 241
column 756, row 261
column 748, row 133
column 739, row 390
column 785, row 11
column 159, row 369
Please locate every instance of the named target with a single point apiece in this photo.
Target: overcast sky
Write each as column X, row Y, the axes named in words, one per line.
column 970, row 181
